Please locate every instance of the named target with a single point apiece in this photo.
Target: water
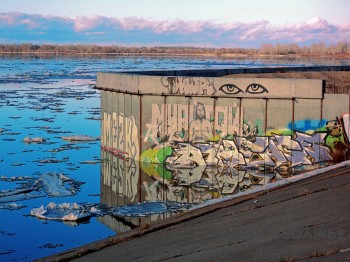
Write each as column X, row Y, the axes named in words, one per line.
column 52, row 97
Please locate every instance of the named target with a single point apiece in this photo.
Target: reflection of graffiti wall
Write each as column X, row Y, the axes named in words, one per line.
column 198, row 138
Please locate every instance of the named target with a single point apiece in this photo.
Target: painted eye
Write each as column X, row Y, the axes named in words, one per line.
column 256, row 89
column 230, row 89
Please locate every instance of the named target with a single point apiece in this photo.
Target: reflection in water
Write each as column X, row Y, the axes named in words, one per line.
column 128, row 182
column 123, row 183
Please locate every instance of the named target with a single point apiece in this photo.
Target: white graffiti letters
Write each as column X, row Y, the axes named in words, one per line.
column 189, row 85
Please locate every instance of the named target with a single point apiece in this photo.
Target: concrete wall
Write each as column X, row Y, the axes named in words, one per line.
column 164, row 135
column 211, row 86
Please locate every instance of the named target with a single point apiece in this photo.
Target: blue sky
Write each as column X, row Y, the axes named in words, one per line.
column 208, row 23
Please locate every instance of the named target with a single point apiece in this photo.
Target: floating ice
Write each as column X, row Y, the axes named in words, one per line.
column 20, row 196
column 56, row 185
column 51, row 160
column 51, row 184
column 66, row 211
column 17, row 164
column 90, row 162
column 36, row 140
column 76, row 212
column 79, row 138
column 12, row 206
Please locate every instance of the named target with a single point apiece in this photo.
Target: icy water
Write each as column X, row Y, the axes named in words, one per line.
column 46, row 103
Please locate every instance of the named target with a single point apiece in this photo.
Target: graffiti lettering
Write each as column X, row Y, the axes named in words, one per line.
column 189, row 85
column 195, row 128
column 120, row 133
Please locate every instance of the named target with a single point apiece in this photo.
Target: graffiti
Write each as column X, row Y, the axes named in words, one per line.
column 231, row 89
column 203, row 86
column 120, row 133
column 205, row 170
column 121, row 176
column 256, row 89
column 200, row 127
column 250, row 151
column 189, row 85
column 194, row 124
column 198, row 170
column 119, row 141
column 118, row 153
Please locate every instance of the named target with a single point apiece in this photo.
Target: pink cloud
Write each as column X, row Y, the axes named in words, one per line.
column 148, row 31
column 85, row 23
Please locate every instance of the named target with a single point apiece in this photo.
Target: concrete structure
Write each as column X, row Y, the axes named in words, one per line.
column 187, row 137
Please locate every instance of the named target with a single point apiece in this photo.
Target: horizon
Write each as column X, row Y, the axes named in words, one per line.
column 223, row 24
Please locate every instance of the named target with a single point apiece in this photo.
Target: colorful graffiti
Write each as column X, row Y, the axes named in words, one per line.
column 195, row 152
column 198, row 171
column 236, row 144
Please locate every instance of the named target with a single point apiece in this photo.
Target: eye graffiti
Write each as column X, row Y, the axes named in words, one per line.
column 256, row 89
column 253, row 89
column 231, row 89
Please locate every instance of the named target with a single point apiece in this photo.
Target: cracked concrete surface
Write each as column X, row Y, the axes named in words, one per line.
column 306, row 220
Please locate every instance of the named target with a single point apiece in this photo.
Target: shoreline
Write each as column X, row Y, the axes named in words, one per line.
column 154, row 54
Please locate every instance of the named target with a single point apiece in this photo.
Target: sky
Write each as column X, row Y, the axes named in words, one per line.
column 205, row 23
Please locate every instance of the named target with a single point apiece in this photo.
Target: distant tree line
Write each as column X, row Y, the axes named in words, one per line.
column 317, row 49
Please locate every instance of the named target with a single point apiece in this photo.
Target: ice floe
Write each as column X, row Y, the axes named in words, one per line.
column 65, row 212
column 36, row 140
column 77, row 212
column 79, row 138
column 47, row 184
column 57, row 184
column 12, row 206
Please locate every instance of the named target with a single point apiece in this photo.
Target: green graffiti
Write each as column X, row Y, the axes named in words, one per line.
column 279, row 131
column 333, row 139
column 156, row 155
column 163, row 153
column 157, row 171
column 259, row 125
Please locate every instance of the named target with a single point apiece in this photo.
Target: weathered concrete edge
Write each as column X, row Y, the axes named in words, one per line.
column 208, row 207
